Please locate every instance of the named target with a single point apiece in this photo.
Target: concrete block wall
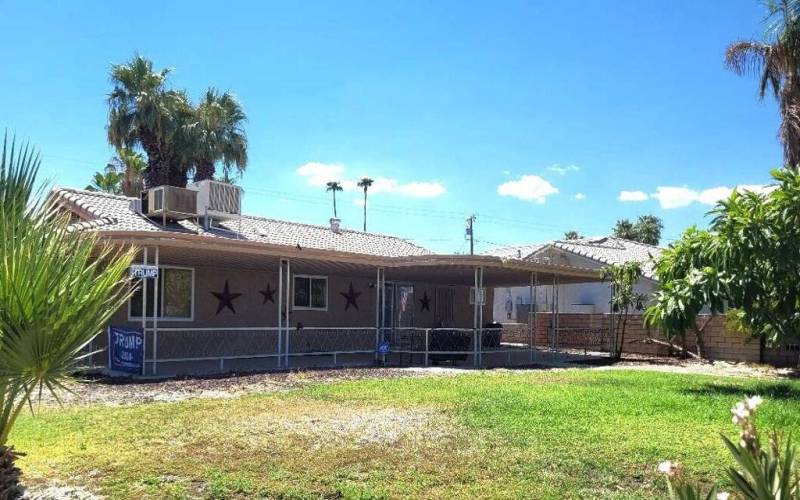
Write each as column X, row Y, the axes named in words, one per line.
column 720, row 342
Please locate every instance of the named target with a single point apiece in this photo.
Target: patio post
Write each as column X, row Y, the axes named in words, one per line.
column 280, row 310
column 553, row 326
column 558, row 310
column 382, row 291
column 155, row 317
column 144, row 315
column 286, row 305
column 378, row 293
column 475, row 322
column 532, row 315
column 480, row 316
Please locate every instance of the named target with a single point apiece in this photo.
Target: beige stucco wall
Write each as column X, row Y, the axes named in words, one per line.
column 252, row 312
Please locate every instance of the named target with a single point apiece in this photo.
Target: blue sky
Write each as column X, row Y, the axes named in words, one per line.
column 511, row 110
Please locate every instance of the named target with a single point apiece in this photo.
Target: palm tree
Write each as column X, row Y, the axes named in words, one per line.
column 648, row 229
column 143, row 112
column 365, row 183
column 131, row 167
column 776, row 63
column 53, row 304
column 107, row 181
column 624, row 229
column 219, row 135
column 572, row 235
column 333, row 187
column 124, row 174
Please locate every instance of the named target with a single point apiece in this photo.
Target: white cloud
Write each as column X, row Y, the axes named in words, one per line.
column 318, row 174
column 580, row 196
column 675, row 196
column 712, row 195
column 528, row 188
column 563, row 169
column 632, row 196
column 681, row 196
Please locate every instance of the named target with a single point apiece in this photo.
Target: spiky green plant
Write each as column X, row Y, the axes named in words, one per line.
column 58, row 288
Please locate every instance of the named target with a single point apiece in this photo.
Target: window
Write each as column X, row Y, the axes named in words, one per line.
column 481, row 296
column 445, row 306
column 175, row 295
column 311, row 292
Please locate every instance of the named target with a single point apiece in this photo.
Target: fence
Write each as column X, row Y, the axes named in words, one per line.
column 171, row 351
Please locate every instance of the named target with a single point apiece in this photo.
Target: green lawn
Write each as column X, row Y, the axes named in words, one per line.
column 489, row 434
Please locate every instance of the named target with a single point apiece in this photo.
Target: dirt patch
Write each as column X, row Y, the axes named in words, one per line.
column 325, row 425
column 700, row 367
column 127, row 391
column 59, row 493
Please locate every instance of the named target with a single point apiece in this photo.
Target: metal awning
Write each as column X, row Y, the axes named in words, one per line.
column 193, row 250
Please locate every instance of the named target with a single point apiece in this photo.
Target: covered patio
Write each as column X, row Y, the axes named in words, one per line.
column 249, row 311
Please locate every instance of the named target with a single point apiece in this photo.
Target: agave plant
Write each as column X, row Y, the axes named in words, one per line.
column 58, row 288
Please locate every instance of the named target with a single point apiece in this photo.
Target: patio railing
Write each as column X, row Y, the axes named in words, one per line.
column 180, row 350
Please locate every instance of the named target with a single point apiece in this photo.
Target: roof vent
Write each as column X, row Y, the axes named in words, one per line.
column 217, row 199
column 169, row 202
column 335, row 225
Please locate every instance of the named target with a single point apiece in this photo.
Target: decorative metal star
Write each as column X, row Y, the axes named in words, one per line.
column 425, row 302
column 268, row 293
column 351, row 296
column 226, row 299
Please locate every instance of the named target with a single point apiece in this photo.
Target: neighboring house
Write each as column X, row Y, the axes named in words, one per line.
column 241, row 292
column 511, row 304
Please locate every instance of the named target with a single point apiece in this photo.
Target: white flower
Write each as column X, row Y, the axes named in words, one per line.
column 740, row 413
column 723, row 495
column 669, row 468
column 752, row 402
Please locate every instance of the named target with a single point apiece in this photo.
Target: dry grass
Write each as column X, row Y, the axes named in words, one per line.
column 566, row 433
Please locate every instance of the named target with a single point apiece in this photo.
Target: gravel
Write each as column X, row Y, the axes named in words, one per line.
column 115, row 392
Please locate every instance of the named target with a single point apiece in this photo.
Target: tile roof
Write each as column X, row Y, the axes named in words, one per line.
column 104, row 212
column 611, row 250
column 604, row 250
column 515, row 252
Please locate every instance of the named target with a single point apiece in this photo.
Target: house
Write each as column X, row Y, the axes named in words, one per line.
column 237, row 292
column 512, row 304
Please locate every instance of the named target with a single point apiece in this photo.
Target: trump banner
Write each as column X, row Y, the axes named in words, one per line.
column 126, row 350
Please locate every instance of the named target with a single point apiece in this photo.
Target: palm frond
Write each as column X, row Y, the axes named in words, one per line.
column 58, row 288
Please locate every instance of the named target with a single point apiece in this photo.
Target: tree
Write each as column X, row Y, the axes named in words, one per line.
column 750, row 260
column 124, row 174
column 776, row 62
column 58, row 288
column 333, row 187
column 689, row 284
column 131, row 167
column 143, row 112
column 572, row 235
column 624, row 229
column 107, row 181
column 219, row 135
column 624, row 298
column 647, row 229
column 365, row 183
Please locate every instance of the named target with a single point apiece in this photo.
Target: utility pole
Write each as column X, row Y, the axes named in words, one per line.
column 471, row 234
